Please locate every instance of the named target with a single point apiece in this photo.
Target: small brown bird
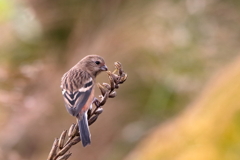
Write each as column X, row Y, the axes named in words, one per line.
column 77, row 89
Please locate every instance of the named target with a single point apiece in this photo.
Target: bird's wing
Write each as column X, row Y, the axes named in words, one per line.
column 75, row 100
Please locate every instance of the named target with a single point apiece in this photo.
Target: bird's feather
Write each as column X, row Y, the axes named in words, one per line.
column 84, row 129
column 76, row 94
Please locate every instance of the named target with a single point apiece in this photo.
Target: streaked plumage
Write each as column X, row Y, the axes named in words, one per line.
column 78, row 93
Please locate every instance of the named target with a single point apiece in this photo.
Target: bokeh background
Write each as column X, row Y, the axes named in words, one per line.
column 181, row 100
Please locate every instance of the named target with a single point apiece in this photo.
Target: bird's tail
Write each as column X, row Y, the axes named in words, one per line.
column 84, row 129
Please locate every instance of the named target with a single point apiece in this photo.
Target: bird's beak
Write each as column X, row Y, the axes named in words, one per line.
column 104, row 68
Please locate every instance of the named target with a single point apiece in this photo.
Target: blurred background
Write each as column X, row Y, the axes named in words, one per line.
column 182, row 97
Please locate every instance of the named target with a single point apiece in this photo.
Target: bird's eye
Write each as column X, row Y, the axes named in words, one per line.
column 97, row 62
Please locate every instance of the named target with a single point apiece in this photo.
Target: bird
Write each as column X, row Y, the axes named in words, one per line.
column 77, row 86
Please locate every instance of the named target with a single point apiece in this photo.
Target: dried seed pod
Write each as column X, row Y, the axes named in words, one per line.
column 112, row 94
column 70, row 131
column 107, row 86
column 75, row 131
column 111, row 80
column 76, row 140
column 118, row 66
column 120, row 71
column 65, row 149
column 116, row 86
column 53, row 151
column 98, row 111
column 64, row 157
column 96, row 102
column 115, row 78
column 102, row 88
column 62, row 139
column 104, row 99
column 92, row 119
column 123, row 78
column 112, row 84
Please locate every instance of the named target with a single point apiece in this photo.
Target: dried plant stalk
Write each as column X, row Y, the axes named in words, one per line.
column 60, row 148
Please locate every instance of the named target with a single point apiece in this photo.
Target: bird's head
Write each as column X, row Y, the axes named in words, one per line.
column 94, row 64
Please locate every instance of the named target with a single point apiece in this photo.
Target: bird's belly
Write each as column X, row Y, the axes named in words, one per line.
column 88, row 103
